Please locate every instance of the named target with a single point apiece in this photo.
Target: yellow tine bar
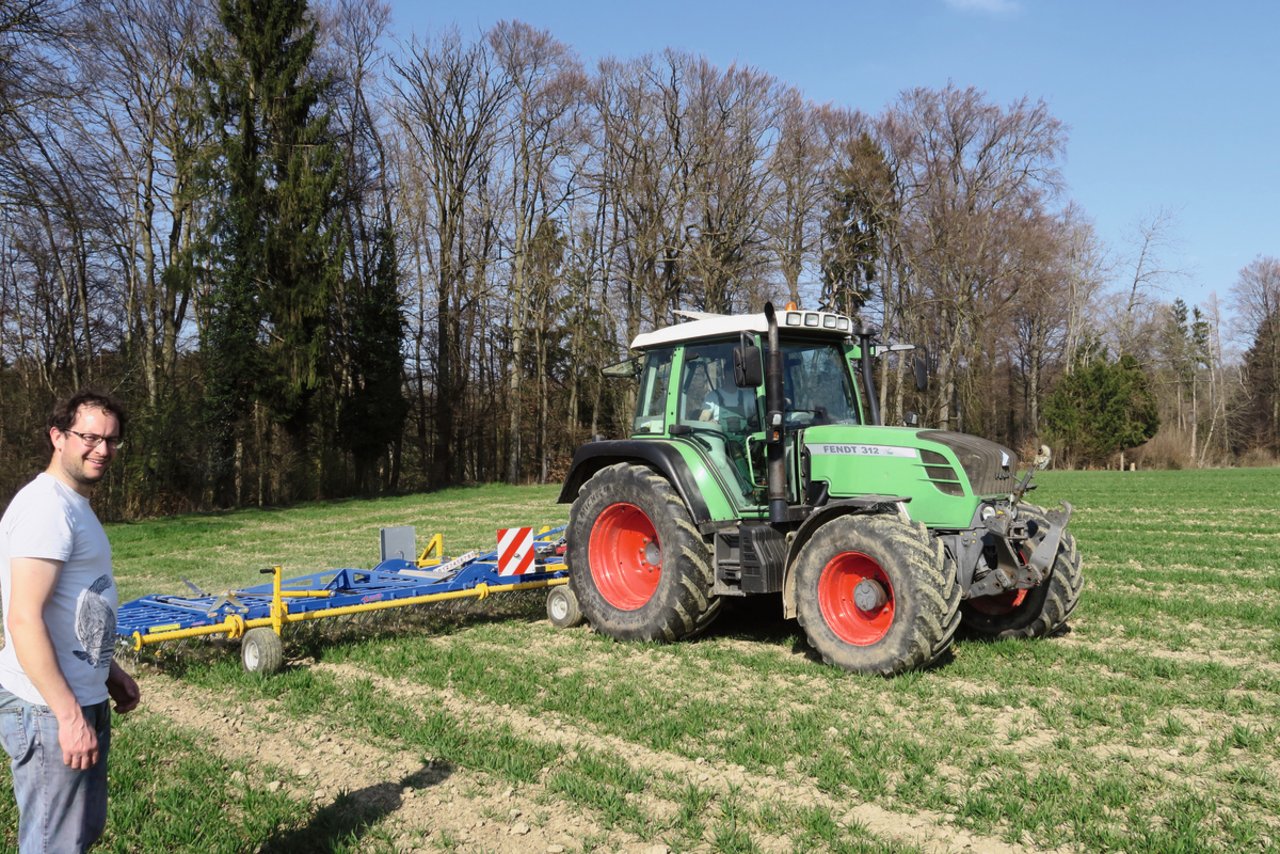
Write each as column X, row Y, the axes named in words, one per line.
column 235, row 626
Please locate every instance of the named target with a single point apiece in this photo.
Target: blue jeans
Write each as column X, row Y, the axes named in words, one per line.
column 59, row 809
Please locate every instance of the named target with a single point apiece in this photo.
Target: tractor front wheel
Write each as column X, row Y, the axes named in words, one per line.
column 638, row 566
column 1040, row 611
column 874, row 596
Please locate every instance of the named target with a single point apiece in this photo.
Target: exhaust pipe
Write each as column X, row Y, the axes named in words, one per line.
column 775, row 447
column 866, row 335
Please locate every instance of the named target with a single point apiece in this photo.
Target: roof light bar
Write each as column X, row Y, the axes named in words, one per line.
column 816, row 320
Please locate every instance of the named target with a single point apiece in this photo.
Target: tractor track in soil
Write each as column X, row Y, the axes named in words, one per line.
column 930, row 832
column 420, row 800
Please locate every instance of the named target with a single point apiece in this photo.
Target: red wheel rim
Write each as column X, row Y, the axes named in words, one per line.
column 625, row 556
column 999, row 604
column 840, row 578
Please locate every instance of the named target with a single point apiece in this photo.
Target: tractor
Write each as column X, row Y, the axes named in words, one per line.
column 758, row 465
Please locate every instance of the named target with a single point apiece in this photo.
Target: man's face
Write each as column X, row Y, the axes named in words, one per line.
column 84, row 465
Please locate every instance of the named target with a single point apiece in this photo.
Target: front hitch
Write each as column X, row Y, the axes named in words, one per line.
column 1046, row 551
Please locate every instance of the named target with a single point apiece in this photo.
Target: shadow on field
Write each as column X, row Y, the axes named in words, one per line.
column 349, row 817
column 756, row 618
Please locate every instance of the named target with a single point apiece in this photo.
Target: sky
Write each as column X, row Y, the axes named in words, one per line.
column 1171, row 107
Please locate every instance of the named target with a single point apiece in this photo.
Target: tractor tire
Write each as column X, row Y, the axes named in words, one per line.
column 1036, row 613
column 874, row 595
column 262, row 651
column 637, row 565
column 562, row 607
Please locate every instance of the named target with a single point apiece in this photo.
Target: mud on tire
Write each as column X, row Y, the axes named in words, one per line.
column 1041, row 611
column 911, row 616
column 638, row 566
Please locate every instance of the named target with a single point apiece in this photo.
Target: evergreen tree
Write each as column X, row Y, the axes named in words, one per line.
column 373, row 407
column 1258, row 412
column 279, row 245
column 861, row 193
column 1100, row 408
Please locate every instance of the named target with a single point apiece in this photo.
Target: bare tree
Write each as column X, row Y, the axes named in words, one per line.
column 732, row 124
column 974, row 170
column 796, row 166
column 1256, row 298
column 1083, row 273
column 547, row 83
column 449, row 97
column 144, row 128
column 32, row 33
column 1149, row 271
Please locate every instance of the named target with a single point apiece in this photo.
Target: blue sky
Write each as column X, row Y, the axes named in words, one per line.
column 1169, row 105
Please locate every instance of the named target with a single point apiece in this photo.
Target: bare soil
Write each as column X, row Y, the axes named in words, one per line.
column 429, row 805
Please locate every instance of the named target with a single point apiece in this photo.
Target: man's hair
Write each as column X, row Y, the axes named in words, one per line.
column 65, row 411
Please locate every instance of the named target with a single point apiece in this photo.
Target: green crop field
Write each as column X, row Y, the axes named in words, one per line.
column 1152, row 725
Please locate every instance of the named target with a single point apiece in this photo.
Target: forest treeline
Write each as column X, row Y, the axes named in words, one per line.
column 316, row 261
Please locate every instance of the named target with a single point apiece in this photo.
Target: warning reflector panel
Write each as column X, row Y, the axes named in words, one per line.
column 515, row 551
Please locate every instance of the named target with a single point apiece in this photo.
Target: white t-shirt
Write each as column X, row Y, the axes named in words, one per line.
column 49, row 520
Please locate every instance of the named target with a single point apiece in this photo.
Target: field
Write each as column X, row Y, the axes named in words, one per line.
column 1152, row 725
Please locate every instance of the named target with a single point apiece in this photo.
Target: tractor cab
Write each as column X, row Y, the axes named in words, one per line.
column 703, row 383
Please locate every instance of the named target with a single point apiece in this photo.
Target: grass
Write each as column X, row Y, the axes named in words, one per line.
column 1154, row 725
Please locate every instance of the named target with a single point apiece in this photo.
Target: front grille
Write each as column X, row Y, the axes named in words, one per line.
column 941, row 473
column 991, row 468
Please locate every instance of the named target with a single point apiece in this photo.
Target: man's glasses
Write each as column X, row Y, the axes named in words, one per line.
column 93, row 440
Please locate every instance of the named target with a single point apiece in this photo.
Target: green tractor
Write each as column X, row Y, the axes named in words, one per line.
column 758, row 464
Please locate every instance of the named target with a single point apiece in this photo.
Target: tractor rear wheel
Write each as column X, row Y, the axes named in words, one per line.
column 638, row 567
column 1040, row 611
column 874, row 596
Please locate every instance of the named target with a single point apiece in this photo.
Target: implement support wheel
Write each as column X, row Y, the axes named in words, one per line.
column 262, row 651
column 562, row 608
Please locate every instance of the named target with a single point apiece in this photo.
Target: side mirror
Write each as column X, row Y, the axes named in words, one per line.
column 747, row 370
column 910, row 419
column 921, row 367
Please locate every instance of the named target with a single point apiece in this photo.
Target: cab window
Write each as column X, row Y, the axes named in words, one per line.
column 651, row 405
column 816, row 385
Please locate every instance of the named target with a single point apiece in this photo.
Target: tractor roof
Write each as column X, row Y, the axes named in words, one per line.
column 700, row 325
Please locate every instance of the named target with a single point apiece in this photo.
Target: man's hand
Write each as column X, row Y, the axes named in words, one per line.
column 123, row 689
column 78, row 741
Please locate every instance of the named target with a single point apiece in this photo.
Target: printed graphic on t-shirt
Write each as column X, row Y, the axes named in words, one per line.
column 95, row 624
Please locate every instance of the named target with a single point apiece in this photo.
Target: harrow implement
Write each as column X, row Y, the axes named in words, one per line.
column 257, row 615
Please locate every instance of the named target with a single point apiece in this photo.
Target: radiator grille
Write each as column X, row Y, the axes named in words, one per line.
column 991, row 468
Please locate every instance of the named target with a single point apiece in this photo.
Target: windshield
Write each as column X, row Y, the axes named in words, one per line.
column 816, row 384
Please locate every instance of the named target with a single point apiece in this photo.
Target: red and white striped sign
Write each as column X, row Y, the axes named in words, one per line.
column 515, row 551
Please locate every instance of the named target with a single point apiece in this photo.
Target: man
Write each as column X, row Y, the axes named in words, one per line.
column 60, row 600
column 728, row 399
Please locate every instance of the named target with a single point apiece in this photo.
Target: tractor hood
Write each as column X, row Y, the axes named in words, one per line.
column 990, row 467
column 899, row 460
